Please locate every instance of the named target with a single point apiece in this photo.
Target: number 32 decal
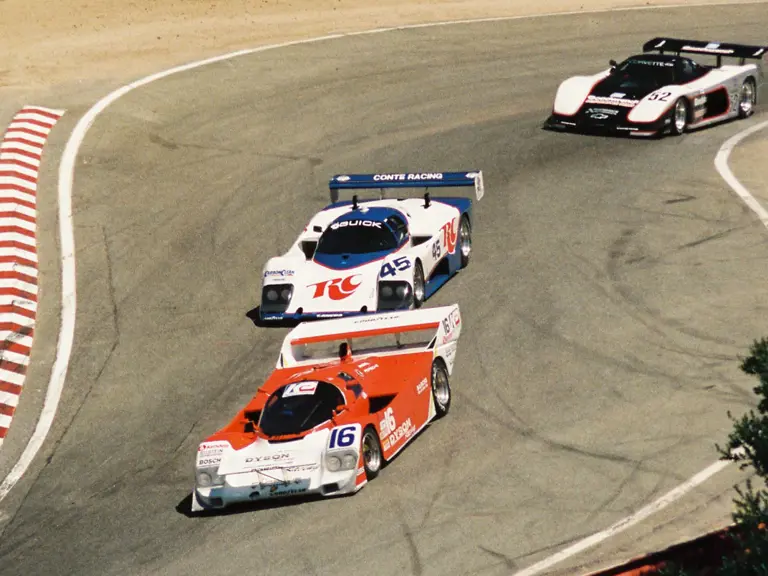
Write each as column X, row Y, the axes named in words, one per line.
column 660, row 96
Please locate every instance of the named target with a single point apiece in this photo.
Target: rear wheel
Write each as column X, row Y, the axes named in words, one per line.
column 418, row 285
column 372, row 455
column 465, row 240
column 679, row 114
column 441, row 388
column 747, row 99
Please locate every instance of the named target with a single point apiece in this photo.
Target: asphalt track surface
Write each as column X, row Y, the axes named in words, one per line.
column 613, row 283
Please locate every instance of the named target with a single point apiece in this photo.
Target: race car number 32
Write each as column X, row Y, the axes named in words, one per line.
column 390, row 269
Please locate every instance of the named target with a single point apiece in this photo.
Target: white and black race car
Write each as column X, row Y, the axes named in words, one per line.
column 661, row 92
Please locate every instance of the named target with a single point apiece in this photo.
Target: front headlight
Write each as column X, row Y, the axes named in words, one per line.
column 208, row 478
column 276, row 297
column 341, row 461
column 333, row 463
column 349, row 461
column 394, row 295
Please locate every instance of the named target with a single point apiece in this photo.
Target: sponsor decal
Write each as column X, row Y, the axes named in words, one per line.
column 302, row 468
column 711, row 48
column 368, row 367
column 360, row 471
column 387, row 424
column 611, row 101
column 390, row 432
column 421, row 386
column 352, row 223
column 210, row 453
column 337, row 289
column 656, row 63
column 280, row 273
column 277, row 457
column 405, row 430
column 598, row 116
column 407, row 177
column 618, row 95
column 385, row 444
column 343, row 178
column 450, row 322
column 329, row 315
column 609, row 111
column 300, row 389
column 450, row 234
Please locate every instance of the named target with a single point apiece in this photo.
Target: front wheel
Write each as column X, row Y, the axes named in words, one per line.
column 747, row 99
column 441, row 388
column 418, row 285
column 465, row 240
column 372, row 455
column 679, row 117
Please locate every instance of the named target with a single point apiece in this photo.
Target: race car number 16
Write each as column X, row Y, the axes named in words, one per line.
column 342, row 437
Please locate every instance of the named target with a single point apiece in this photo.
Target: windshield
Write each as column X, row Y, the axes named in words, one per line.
column 639, row 73
column 299, row 407
column 356, row 237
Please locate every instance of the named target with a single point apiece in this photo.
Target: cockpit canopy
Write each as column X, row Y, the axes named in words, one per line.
column 298, row 407
column 364, row 231
column 649, row 72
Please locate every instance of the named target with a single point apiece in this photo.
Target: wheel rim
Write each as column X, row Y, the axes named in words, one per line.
column 371, row 453
column 747, row 98
column 465, row 239
column 418, row 285
column 440, row 387
column 680, row 116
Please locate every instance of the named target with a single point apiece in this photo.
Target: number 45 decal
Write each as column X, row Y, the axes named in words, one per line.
column 660, row 96
column 390, row 269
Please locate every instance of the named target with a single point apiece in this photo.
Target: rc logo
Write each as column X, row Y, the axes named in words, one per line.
column 337, row 289
column 449, row 236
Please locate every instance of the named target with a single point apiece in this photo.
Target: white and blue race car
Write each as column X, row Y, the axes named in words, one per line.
column 367, row 255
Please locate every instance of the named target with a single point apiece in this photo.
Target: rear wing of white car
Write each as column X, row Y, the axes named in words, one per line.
column 436, row 329
column 678, row 46
column 381, row 182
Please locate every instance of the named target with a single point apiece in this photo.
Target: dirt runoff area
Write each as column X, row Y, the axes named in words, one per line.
column 46, row 44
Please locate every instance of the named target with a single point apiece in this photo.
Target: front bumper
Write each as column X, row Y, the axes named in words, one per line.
column 328, row 484
column 615, row 125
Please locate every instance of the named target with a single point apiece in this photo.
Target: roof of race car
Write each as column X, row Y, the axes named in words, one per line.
column 366, row 220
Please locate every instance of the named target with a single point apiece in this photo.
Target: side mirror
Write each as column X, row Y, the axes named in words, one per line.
column 613, row 64
column 339, row 409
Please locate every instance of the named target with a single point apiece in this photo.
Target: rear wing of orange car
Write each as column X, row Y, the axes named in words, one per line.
column 433, row 330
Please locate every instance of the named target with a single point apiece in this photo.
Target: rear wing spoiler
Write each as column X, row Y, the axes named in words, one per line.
column 440, row 328
column 678, row 46
column 472, row 178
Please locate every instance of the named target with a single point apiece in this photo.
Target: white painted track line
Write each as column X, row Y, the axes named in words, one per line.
column 625, row 523
column 721, row 164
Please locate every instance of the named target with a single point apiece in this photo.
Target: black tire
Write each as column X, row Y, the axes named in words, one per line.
column 465, row 240
column 679, row 117
column 418, row 280
column 374, row 460
column 441, row 387
column 747, row 98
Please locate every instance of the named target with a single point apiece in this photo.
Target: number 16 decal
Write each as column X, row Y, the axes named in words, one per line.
column 343, row 437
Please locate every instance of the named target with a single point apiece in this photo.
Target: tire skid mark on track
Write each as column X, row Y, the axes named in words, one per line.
column 21, row 152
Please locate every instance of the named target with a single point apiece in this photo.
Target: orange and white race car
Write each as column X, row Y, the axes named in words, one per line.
column 346, row 396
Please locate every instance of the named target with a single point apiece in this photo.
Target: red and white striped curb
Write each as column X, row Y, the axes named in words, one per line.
column 21, row 151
